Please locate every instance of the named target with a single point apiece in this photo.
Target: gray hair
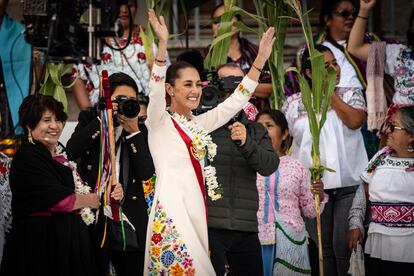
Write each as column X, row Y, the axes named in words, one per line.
column 407, row 118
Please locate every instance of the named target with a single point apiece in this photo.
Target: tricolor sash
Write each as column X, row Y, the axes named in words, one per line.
column 196, row 164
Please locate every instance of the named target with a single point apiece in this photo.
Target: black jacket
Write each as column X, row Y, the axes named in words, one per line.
column 236, row 170
column 84, row 147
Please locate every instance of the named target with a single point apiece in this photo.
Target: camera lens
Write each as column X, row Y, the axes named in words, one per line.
column 129, row 108
column 209, row 97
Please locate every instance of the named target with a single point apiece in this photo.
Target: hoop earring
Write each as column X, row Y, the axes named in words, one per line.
column 30, row 137
column 410, row 148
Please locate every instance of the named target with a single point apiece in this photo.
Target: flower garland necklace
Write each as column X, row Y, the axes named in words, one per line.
column 86, row 213
column 203, row 147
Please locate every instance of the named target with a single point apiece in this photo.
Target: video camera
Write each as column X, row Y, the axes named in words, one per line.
column 71, row 30
column 215, row 90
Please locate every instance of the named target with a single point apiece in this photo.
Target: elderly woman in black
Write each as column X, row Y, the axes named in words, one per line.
column 51, row 206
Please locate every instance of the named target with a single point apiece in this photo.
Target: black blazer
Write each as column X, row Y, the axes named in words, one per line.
column 83, row 146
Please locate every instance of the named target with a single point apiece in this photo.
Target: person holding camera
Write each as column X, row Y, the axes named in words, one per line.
column 243, row 150
column 134, row 165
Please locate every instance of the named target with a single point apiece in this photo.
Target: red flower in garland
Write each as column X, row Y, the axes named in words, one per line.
column 141, row 56
column 156, row 238
column 106, row 56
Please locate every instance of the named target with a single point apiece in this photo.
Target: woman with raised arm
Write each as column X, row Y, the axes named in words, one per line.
column 399, row 58
column 177, row 240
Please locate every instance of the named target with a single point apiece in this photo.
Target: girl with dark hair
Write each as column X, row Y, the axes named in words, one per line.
column 283, row 197
column 387, row 188
column 51, row 205
column 177, row 237
column 399, row 58
column 342, row 149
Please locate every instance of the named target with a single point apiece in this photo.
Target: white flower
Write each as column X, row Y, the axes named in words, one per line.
column 87, row 215
column 80, row 188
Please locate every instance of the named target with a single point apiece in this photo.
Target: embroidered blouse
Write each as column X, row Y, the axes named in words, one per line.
column 341, row 148
column 390, row 182
column 131, row 61
column 400, row 66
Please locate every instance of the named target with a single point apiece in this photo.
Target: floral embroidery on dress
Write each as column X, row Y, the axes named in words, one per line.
column 169, row 254
column 243, row 90
column 404, row 74
column 131, row 61
column 149, row 190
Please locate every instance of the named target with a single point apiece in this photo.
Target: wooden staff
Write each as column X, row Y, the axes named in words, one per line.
column 319, row 232
column 111, row 139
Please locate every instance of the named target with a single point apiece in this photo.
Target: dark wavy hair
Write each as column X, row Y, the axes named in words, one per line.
column 280, row 120
column 306, row 63
column 329, row 6
column 118, row 79
column 32, row 108
column 174, row 71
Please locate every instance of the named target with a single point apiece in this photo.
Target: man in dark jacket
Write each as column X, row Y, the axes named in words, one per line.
column 232, row 220
column 134, row 165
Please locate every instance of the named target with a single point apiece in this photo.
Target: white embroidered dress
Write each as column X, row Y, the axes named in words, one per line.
column 177, row 239
column 390, row 183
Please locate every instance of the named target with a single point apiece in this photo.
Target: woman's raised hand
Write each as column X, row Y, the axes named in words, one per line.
column 266, row 45
column 158, row 25
column 366, row 5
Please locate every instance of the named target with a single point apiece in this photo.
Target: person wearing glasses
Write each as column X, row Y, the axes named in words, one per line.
column 134, row 165
column 336, row 19
column 388, row 189
column 399, row 58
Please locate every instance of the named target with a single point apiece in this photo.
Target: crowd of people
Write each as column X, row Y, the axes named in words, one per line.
column 224, row 191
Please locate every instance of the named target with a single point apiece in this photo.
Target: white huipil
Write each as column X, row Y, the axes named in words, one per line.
column 177, row 239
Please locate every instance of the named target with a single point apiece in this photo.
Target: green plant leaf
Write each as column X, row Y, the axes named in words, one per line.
column 60, row 95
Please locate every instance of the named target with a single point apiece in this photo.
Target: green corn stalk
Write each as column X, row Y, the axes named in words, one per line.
column 316, row 101
column 52, row 84
column 219, row 49
column 277, row 13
